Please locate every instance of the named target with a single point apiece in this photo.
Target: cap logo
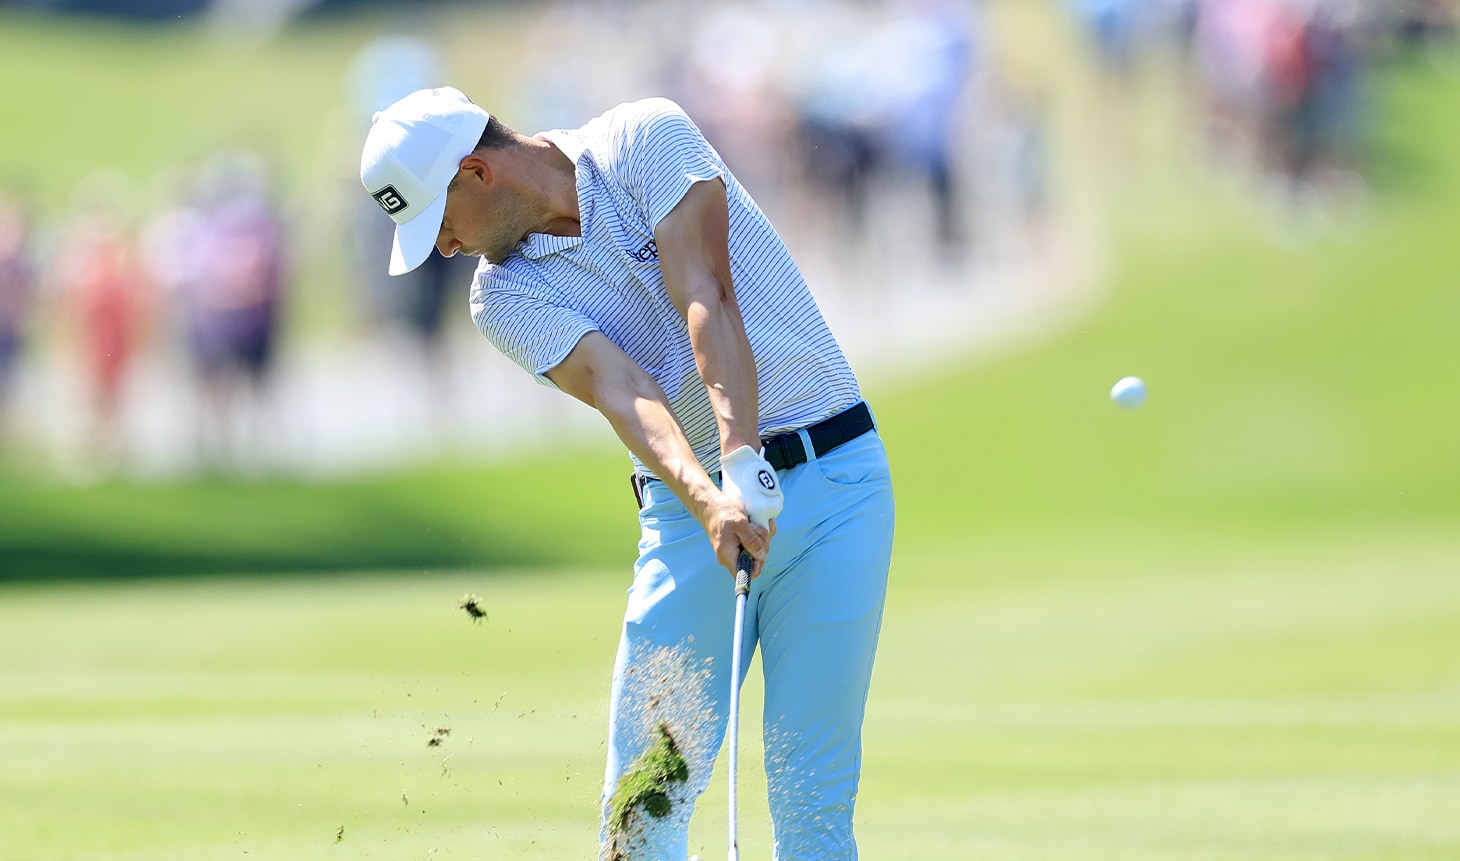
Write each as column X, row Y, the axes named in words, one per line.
column 390, row 200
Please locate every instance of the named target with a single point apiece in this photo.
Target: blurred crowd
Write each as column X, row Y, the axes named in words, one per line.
column 829, row 111
column 865, row 129
column 203, row 272
column 166, row 319
column 1280, row 84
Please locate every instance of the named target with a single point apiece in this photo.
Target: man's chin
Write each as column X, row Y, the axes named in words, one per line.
column 479, row 255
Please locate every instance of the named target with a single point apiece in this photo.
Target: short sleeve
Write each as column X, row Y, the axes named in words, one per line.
column 657, row 154
column 526, row 322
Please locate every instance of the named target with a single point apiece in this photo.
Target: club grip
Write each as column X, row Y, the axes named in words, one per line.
column 743, row 565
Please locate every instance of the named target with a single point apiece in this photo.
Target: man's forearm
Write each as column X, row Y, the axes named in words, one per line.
column 599, row 373
column 641, row 416
column 649, row 428
column 727, row 367
column 694, row 253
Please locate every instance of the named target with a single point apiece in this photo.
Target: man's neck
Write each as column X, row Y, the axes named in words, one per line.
column 560, row 185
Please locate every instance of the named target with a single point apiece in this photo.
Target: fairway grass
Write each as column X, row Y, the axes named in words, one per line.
column 1064, row 696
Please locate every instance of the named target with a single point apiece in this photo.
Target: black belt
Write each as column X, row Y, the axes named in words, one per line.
column 785, row 450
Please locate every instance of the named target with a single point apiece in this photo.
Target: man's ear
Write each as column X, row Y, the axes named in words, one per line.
column 476, row 166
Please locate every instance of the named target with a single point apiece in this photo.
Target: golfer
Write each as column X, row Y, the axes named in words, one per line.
column 622, row 263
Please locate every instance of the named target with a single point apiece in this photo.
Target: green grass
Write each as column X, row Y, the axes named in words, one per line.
column 207, row 720
column 1076, row 698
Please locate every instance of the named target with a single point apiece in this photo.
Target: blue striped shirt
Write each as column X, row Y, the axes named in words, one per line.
column 633, row 166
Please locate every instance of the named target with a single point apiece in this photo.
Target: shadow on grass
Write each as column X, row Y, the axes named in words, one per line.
column 481, row 519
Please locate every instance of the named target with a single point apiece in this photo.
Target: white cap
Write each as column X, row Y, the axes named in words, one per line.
column 412, row 153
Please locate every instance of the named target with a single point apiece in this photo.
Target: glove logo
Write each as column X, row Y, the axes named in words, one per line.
column 767, row 480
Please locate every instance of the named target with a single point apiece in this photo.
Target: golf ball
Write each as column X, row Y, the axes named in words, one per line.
column 1129, row 392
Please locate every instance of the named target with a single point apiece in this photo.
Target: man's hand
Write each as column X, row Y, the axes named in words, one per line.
column 751, row 483
column 730, row 529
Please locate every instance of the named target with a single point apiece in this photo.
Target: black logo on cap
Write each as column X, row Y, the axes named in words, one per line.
column 767, row 480
column 390, row 200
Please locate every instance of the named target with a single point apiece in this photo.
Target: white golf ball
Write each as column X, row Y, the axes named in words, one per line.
column 1129, row 392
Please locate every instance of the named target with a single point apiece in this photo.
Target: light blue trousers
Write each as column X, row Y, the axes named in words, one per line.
column 815, row 612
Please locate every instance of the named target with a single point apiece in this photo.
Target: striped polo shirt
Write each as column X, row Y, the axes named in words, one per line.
column 633, row 166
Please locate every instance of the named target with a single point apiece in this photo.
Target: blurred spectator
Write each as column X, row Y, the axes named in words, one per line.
column 102, row 279
column 1286, row 74
column 1112, row 26
column 881, row 99
column 1015, row 139
column 839, row 124
column 1229, row 36
column 1178, row 20
column 1283, row 84
column 17, row 282
column 729, row 82
column 552, row 94
column 219, row 252
column 927, row 53
column 385, row 70
column 1425, row 22
column 1330, row 130
column 391, row 67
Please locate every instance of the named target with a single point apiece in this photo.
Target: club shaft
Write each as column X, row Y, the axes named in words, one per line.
column 742, row 592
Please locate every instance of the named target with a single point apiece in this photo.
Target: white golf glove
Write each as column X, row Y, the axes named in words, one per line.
column 749, row 479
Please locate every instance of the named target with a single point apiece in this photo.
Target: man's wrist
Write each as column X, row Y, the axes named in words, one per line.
column 735, row 442
column 698, row 495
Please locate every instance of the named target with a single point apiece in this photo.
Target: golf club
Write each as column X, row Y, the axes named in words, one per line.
column 743, row 565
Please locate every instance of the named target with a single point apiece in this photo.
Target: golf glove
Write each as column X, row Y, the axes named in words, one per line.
column 749, row 479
